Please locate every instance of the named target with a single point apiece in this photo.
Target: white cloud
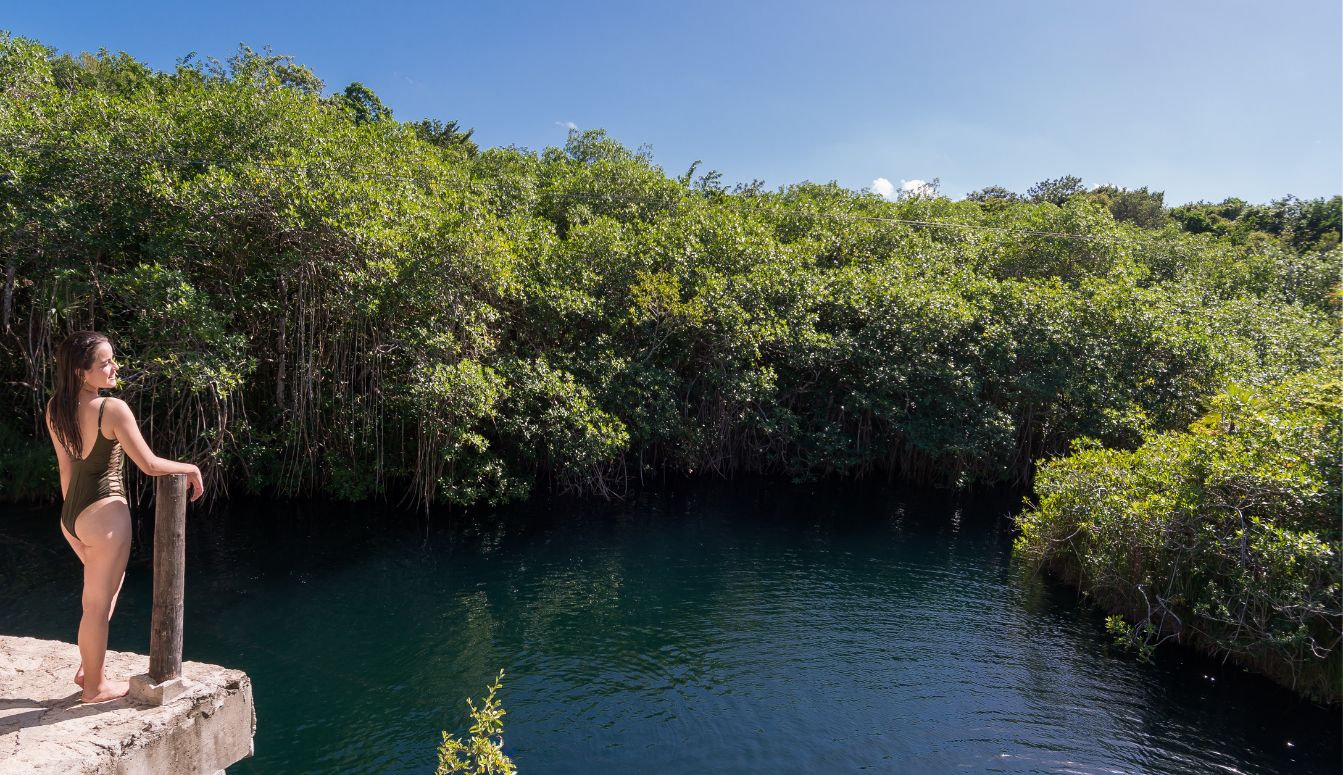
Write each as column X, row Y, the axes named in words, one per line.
column 916, row 187
column 566, row 125
column 884, row 188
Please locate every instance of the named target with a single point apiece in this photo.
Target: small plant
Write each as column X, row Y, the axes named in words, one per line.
column 482, row 753
column 1131, row 638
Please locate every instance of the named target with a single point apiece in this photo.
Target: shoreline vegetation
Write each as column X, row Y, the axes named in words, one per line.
column 1224, row 536
column 314, row 297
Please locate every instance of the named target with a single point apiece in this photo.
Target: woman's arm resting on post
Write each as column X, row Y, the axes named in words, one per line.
column 119, row 417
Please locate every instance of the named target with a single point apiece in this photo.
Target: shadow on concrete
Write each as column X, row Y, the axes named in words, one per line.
column 36, row 713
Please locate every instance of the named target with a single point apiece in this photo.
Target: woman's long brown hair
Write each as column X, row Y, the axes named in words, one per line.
column 75, row 353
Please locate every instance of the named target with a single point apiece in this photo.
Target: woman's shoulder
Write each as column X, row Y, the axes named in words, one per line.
column 112, row 405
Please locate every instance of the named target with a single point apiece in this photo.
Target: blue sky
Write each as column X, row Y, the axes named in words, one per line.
column 1200, row 99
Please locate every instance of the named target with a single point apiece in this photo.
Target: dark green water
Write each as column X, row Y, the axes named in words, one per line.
column 724, row 628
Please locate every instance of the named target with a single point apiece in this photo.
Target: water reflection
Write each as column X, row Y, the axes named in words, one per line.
column 741, row 628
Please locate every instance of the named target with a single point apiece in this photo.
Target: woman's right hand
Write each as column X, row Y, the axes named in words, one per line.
column 195, row 487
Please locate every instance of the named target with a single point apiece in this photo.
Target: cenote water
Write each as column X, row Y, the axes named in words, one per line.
column 715, row 628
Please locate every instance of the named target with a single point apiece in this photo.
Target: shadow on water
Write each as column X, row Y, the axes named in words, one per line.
column 744, row 627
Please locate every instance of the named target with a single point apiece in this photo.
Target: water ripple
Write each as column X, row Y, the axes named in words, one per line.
column 748, row 631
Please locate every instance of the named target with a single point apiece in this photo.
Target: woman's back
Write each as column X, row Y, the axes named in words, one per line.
column 97, row 472
column 88, row 415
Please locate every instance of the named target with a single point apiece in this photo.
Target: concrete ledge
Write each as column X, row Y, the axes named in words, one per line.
column 44, row 728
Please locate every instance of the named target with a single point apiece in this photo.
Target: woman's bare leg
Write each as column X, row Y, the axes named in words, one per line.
column 79, row 552
column 105, row 528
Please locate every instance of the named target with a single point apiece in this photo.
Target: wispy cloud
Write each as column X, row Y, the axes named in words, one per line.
column 566, row 125
column 884, row 188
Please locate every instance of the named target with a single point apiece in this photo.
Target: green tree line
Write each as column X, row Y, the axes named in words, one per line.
column 1304, row 224
column 311, row 296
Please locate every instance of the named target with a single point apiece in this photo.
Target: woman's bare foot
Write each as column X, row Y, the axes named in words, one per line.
column 79, row 677
column 109, row 690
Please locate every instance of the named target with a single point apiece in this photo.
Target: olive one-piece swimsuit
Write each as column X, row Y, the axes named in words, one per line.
column 96, row 476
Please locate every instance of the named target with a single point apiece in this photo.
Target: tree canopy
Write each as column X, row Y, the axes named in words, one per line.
column 314, row 296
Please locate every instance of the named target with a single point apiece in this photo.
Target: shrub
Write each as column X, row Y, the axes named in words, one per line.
column 482, row 752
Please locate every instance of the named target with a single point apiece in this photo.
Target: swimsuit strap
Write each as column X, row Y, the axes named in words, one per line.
column 101, row 407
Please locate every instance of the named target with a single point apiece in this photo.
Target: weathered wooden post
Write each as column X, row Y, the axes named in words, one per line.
column 164, row 681
column 170, row 556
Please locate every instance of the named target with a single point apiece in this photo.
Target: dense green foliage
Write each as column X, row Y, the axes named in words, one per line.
column 311, row 296
column 1311, row 224
column 1226, row 535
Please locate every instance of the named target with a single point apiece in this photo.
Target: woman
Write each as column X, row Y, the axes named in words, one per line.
column 89, row 433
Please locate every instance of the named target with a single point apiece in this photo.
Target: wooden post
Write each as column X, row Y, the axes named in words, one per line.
column 170, row 543
column 164, row 682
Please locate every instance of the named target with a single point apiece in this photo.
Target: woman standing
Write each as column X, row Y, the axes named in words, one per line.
column 89, row 433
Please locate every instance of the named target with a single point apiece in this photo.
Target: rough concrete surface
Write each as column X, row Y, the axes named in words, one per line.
column 44, row 728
